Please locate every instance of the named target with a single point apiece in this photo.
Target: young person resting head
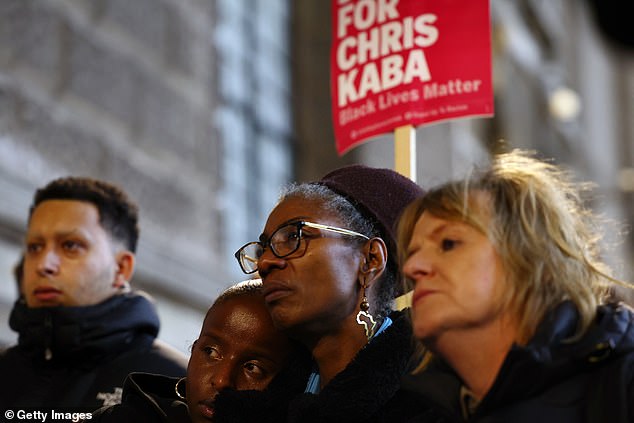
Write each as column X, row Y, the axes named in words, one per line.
column 238, row 348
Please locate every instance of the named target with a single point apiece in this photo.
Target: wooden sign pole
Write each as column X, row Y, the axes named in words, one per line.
column 405, row 151
column 405, row 164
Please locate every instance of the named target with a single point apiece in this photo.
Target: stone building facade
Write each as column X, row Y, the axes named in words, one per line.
column 184, row 103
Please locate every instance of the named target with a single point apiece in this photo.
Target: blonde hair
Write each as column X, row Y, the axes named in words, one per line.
column 547, row 240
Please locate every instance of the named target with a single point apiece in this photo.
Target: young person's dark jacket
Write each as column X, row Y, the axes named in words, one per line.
column 147, row 398
column 78, row 357
column 550, row 379
column 152, row 398
column 367, row 390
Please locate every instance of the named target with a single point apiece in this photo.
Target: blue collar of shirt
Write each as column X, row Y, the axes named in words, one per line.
column 312, row 387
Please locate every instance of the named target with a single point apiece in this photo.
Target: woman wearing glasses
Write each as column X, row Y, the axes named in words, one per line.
column 327, row 259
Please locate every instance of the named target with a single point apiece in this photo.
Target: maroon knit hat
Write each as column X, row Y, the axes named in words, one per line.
column 380, row 194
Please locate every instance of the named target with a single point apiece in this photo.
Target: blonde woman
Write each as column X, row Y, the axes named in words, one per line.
column 507, row 299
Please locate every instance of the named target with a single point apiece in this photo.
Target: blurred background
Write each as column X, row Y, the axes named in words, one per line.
column 202, row 109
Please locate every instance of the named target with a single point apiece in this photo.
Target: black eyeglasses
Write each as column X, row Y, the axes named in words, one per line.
column 284, row 242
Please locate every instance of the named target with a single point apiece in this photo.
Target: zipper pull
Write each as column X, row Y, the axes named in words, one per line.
column 48, row 324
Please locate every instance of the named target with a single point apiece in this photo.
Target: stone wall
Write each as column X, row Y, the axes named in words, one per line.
column 138, row 93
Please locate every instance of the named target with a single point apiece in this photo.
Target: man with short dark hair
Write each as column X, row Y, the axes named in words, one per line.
column 81, row 328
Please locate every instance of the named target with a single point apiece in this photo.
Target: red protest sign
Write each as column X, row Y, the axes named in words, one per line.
column 400, row 62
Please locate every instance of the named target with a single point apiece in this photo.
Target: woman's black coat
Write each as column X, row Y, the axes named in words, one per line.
column 551, row 379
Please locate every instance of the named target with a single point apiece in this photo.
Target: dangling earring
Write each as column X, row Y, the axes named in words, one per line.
column 364, row 318
column 177, row 390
